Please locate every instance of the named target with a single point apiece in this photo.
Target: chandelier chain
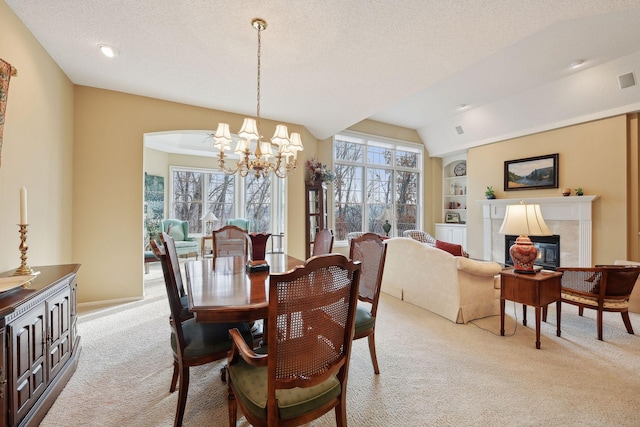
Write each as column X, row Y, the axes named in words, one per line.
column 258, row 84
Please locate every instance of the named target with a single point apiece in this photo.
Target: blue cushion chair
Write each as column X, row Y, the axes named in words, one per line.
column 185, row 246
column 242, row 223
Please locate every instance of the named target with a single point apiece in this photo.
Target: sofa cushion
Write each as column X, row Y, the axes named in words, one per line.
column 176, row 232
column 452, row 248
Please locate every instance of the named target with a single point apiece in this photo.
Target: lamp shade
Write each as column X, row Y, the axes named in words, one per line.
column 209, row 216
column 387, row 215
column 249, row 130
column 524, row 220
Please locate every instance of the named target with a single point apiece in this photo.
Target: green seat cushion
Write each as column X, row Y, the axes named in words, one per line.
column 203, row 339
column 364, row 319
column 251, row 388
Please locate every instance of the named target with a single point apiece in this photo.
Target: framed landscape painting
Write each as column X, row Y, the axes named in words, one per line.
column 531, row 173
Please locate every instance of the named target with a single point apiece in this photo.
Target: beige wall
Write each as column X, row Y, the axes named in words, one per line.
column 108, row 184
column 592, row 156
column 37, row 150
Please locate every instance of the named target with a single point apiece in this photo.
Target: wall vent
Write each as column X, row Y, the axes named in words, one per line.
column 626, row 80
column 459, row 130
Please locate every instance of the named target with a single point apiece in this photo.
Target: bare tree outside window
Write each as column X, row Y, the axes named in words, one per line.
column 258, row 202
column 187, row 198
column 221, row 197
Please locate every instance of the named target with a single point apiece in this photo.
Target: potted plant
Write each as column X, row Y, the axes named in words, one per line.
column 490, row 193
column 579, row 191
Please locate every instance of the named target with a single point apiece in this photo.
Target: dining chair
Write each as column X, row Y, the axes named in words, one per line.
column 230, row 240
column 371, row 251
column 323, row 242
column 310, row 325
column 602, row 288
column 193, row 343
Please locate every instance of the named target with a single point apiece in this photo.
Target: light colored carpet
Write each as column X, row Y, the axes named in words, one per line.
column 433, row 372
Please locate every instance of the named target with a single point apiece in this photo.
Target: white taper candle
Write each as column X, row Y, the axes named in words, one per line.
column 23, row 206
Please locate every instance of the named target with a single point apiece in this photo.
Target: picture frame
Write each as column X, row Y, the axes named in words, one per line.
column 452, row 217
column 531, row 173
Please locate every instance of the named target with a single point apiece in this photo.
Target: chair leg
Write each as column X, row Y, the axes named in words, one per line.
column 372, row 351
column 182, row 396
column 146, row 268
column 232, row 406
column 580, row 311
column 341, row 414
column 599, row 321
column 627, row 321
column 174, row 378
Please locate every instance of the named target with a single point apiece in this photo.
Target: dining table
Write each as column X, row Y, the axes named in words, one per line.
column 221, row 289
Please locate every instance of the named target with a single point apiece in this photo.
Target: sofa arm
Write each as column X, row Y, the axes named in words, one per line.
column 479, row 268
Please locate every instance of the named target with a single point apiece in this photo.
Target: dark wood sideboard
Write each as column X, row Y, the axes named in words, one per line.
column 40, row 343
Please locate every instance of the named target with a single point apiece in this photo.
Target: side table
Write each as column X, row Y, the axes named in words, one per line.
column 537, row 290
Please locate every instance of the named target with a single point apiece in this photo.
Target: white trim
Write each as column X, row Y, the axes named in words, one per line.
column 573, row 208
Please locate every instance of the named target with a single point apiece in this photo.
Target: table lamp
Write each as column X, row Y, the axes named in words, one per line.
column 208, row 218
column 524, row 221
column 386, row 216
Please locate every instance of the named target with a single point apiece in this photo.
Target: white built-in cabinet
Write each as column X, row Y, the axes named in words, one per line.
column 453, row 229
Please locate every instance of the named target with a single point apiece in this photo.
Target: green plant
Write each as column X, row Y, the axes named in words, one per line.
column 489, row 192
column 579, row 191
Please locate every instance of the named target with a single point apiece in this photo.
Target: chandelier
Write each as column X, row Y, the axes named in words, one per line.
column 260, row 161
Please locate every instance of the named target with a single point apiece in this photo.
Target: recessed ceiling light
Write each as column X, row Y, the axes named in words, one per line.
column 577, row 64
column 108, row 51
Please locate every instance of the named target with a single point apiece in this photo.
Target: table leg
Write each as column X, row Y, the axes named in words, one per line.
column 558, row 311
column 524, row 315
column 502, row 316
column 538, row 327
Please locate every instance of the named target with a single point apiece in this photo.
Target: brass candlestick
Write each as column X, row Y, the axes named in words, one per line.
column 24, row 269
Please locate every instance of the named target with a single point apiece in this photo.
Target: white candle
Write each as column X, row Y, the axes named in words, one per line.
column 23, row 206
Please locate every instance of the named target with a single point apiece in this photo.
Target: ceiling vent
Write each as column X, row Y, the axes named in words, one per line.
column 626, row 80
column 459, row 130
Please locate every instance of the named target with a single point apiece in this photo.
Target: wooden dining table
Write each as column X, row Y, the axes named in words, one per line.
column 221, row 290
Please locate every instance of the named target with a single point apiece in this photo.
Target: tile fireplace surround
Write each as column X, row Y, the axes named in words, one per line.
column 568, row 217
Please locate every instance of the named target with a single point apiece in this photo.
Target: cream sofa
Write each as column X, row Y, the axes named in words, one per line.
column 457, row 288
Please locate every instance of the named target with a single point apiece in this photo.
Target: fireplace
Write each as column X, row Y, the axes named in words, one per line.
column 569, row 217
column 548, row 250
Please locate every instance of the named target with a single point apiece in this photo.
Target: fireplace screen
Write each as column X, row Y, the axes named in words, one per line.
column 548, row 250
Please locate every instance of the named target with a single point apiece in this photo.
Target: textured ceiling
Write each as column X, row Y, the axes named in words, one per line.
column 329, row 64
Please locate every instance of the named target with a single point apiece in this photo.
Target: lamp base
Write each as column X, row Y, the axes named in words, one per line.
column 523, row 254
column 386, row 227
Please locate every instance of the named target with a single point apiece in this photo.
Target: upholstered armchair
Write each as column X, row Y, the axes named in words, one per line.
column 185, row 246
column 420, row 236
column 242, row 223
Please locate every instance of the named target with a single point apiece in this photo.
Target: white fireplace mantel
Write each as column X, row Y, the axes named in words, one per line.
column 572, row 208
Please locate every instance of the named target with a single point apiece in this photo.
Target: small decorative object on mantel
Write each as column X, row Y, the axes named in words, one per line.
column 566, row 192
column 6, row 72
column 490, row 193
column 319, row 172
column 579, row 191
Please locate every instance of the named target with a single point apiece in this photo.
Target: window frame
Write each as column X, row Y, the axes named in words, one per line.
column 367, row 140
column 278, row 192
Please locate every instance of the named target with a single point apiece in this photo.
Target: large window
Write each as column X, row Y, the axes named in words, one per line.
column 194, row 192
column 374, row 175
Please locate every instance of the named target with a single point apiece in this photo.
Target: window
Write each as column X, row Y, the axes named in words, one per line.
column 194, row 192
column 373, row 175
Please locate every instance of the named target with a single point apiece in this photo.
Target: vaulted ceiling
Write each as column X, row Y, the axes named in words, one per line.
column 329, row 64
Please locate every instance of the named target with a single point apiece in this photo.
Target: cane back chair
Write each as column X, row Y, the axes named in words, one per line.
column 310, row 333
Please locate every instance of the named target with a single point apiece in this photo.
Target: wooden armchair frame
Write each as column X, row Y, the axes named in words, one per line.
column 602, row 288
column 371, row 251
column 310, row 332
